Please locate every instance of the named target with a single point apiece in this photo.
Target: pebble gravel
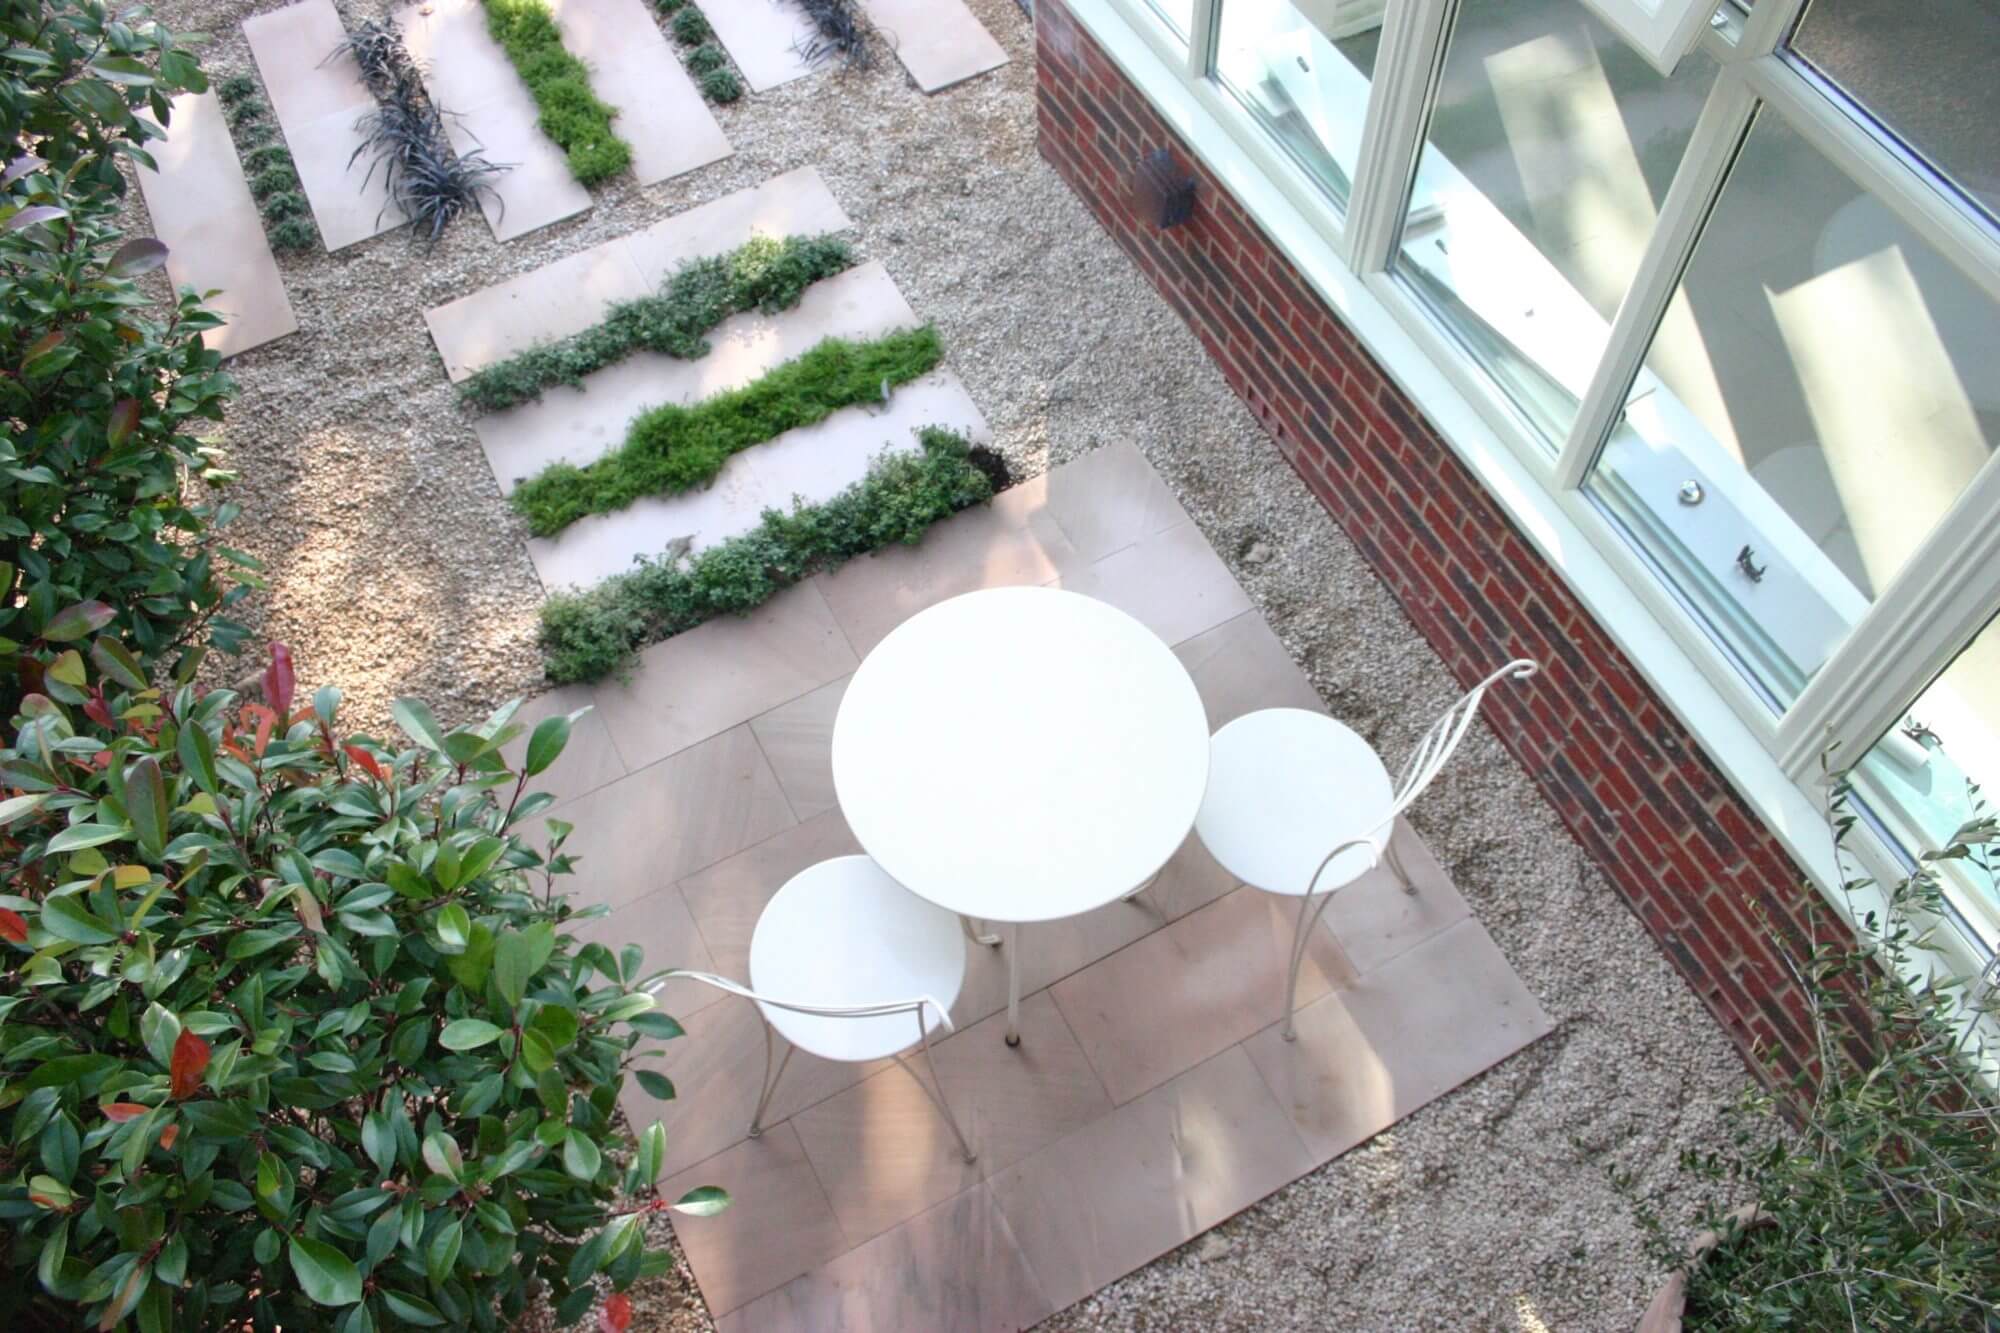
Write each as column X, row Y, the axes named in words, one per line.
column 396, row 569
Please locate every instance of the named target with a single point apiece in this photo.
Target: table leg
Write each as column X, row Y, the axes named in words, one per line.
column 1013, row 985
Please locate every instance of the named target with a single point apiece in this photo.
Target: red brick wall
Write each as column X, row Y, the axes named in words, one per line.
column 1686, row 853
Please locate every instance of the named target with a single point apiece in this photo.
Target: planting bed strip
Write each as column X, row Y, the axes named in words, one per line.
column 317, row 102
column 203, row 211
column 466, row 72
column 633, row 67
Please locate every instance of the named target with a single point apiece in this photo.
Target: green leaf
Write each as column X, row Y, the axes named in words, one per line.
column 146, row 804
column 518, row 956
column 67, row 918
column 656, row 1084
column 378, row 1140
column 117, row 664
column 702, row 1201
column 441, row 1255
column 545, row 746
column 197, row 754
column 73, row 622
column 414, row 717
column 536, row 1052
column 413, row 1309
column 469, row 969
column 441, row 1155
column 78, row 836
column 454, row 927
column 15, row 807
column 557, row 1023
column 580, row 1155
column 327, row 1276
column 467, row 1034
column 656, row 1024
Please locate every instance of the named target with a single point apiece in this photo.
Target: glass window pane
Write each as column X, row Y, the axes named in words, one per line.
column 1302, row 71
column 1920, row 779
column 1178, row 15
column 1823, row 384
column 1924, row 69
column 1549, row 151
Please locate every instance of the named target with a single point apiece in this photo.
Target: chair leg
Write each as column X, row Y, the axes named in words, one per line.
column 1151, row 880
column 770, row 1082
column 1288, row 1031
column 1396, row 867
column 1013, row 985
column 938, row 1099
column 965, row 924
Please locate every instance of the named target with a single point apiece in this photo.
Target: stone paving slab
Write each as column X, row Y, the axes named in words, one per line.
column 573, row 293
column 489, row 108
column 317, row 102
column 814, row 462
column 763, row 37
column 580, row 424
column 1151, row 1097
column 202, row 210
column 939, row 41
column 661, row 113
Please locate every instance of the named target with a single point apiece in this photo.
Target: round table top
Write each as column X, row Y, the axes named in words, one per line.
column 1021, row 754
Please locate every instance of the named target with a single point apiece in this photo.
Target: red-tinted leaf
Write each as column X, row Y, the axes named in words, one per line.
column 13, row 927
column 616, row 1316
column 190, row 1062
column 97, row 710
column 367, row 763
column 42, row 346
column 307, row 908
column 266, row 719
column 34, row 213
column 120, row 1112
column 168, row 1135
column 138, row 256
column 20, row 167
column 278, row 682
column 73, row 622
column 128, row 1296
column 124, row 420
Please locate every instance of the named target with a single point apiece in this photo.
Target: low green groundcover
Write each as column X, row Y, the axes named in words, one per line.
column 571, row 115
column 589, row 635
column 669, row 449
column 764, row 273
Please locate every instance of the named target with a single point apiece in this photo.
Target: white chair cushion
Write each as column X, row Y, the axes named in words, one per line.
column 843, row 933
column 1285, row 787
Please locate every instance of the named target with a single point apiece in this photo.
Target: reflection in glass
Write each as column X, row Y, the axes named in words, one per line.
column 1302, row 71
column 1827, row 379
column 1548, row 153
column 1924, row 69
column 1918, row 778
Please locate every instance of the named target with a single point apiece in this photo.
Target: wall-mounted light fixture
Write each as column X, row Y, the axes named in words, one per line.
column 1162, row 190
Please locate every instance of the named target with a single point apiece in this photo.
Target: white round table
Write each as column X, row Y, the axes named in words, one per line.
column 1021, row 755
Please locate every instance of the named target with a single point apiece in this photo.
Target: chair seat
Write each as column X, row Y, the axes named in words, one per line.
column 1285, row 787
column 843, row 933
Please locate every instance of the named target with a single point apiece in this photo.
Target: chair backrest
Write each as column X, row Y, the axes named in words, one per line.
column 1438, row 743
column 724, row 984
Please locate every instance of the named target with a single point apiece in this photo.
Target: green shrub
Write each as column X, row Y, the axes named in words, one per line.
column 107, row 512
column 690, row 27
column 235, row 88
column 721, row 86
column 704, row 58
column 269, row 157
column 293, row 234
column 571, row 115
column 288, row 204
column 273, row 180
column 672, row 448
column 668, row 7
column 589, row 635
column 293, row 1026
column 762, row 274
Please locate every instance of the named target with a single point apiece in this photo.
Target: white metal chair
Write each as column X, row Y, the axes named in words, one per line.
column 840, row 941
column 1280, row 777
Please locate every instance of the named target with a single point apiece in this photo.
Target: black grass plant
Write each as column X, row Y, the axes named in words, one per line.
column 273, row 180
column 671, row 448
column 405, row 137
column 837, row 34
column 764, row 274
column 571, row 115
column 589, row 635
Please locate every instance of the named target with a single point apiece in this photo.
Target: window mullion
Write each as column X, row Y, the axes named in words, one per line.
column 1725, row 119
column 1201, row 39
column 1769, row 23
column 1942, row 599
column 1406, row 70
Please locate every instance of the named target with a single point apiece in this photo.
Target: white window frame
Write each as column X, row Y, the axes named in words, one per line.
column 1661, row 30
column 1941, row 600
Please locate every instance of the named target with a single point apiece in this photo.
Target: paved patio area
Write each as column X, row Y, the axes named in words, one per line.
column 1151, row 1097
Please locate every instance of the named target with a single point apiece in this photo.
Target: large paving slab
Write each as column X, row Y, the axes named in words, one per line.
column 203, row 212
column 318, row 100
column 576, row 425
column 939, row 41
column 489, row 108
column 573, row 293
column 812, row 463
column 764, row 38
column 1151, row 1097
column 661, row 114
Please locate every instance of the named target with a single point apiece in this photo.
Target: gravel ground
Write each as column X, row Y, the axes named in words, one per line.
column 396, row 569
